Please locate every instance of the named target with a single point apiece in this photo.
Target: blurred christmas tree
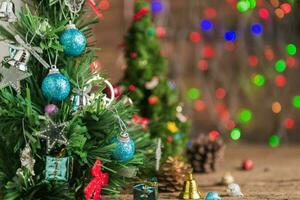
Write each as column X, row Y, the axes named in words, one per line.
column 57, row 123
column 147, row 83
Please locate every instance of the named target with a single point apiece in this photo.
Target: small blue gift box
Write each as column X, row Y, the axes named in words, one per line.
column 58, row 169
column 145, row 192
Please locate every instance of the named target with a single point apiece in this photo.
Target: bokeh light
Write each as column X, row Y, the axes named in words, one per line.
column 243, row 5
column 235, row 134
column 203, row 65
column 230, row 36
column 258, row 80
column 269, row 53
column 199, row 105
column 296, row 101
column 286, row 7
column 256, row 29
column 206, row 24
column 291, row 62
column 104, row 5
column 289, row 123
column 252, row 60
column 210, row 12
column 264, row 13
column 245, row 116
column 193, row 93
column 275, row 3
column 208, row 51
column 279, row 13
column 220, row 93
column 213, row 135
column 276, row 107
column 160, row 32
column 274, row 141
column 280, row 81
column 157, row 6
column 195, row 37
column 291, row 49
column 280, row 66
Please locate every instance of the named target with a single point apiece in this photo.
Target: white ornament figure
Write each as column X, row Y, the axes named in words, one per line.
column 7, row 11
column 152, row 84
column 234, row 190
column 27, row 161
column 19, row 57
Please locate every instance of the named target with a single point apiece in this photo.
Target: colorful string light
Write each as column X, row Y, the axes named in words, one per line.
column 296, row 101
column 157, row 6
column 276, row 107
column 280, row 80
column 195, row 37
column 291, row 49
column 235, row 134
column 280, row 66
column 193, row 93
column 256, row 29
column 199, row 105
column 289, row 123
column 220, row 93
column 206, row 25
column 243, row 6
column 258, row 80
column 230, row 36
column 274, row 141
column 245, row 116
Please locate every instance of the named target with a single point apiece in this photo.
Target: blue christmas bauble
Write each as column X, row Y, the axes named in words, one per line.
column 73, row 41
column 55, row 86
column 125, row 148
column 212, row 196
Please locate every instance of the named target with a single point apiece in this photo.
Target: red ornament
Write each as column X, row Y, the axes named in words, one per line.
column 144, row 121
column 93, row 189
column 117, row 91
column 153, row 100
column 95, row 8
column 170, row 139
column 131, row 88
column 140, row 14
column 247, row 164
column 133, row 54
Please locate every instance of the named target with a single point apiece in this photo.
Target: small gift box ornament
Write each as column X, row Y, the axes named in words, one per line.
column 58, row 168
column 145, row 191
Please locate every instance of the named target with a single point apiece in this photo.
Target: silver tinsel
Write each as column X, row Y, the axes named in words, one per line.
column 27, row 161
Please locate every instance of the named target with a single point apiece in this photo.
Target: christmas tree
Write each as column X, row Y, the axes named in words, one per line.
column 61, row 137
column 147, row 84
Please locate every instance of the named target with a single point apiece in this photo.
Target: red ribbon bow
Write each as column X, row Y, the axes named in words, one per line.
column 93, row 189
column 95, row 8
column 141, row 13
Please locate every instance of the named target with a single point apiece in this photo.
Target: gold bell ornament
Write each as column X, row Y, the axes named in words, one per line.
column 190, row 189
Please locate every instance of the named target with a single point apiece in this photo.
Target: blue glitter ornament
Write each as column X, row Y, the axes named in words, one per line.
column 125, row 147
column 212, row 196
column 55, row 86
column 73, row 41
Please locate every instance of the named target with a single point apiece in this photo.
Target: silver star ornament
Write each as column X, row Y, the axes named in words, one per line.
column 12, row 77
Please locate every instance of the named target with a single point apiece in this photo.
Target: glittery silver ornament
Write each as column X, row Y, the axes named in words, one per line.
column 234, row 190
column 12, row 77
column 27, row 161
column 53, row 134
column 7, row 11
column 19, row 57
column 74, row 5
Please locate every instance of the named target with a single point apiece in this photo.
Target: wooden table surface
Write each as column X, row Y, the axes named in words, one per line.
column 276, row 174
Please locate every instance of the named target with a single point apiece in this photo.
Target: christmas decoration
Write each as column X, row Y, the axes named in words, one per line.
column 190, row 189
column 125, row 147
column 227, row 179
column 74, row 5
column 93, row 189
column 73, row 41
column 128, row 172
column 145, row 191
column 12, row 77
column 95, row 8
column 58, row 169
column 50, row 109
column 55, row 86
column 212, row 196
column 7, row 11
column 173, row 174
column 53, row 134
column 27, row 161
column 117, row 91
column 158, row 154
column 247, row 165
column 234, row 190
column 146, row 83
column 205, row 154
column 19, row 57
column 171, row 126
column 81, row 97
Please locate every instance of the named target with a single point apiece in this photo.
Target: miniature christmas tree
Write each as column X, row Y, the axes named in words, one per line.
column 146, row 82
column 55, row 122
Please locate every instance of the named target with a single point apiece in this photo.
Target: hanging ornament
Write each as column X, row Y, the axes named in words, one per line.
column 43, row 28
column 12, row 77
column 153, row 83
column 55, row 86
column 74, row 6
column 81, row 97
column 153, row 100
column 96, row 8
column 51, row 109
column 18, row 57
column 72, row 40
column 58, row 169
column 172, row 127
column 7, row 11
column 27, row 161
column 117, row 91
column 93, row 189
column 125, row 147
column 53, row 134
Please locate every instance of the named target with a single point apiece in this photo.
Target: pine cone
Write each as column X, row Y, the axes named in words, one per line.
column 205, row 154
column 173, row 174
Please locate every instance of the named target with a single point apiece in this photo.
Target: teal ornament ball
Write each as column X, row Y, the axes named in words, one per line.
column 55, row 86
column 212, row 196
column 73, row 41
column 125, row 147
